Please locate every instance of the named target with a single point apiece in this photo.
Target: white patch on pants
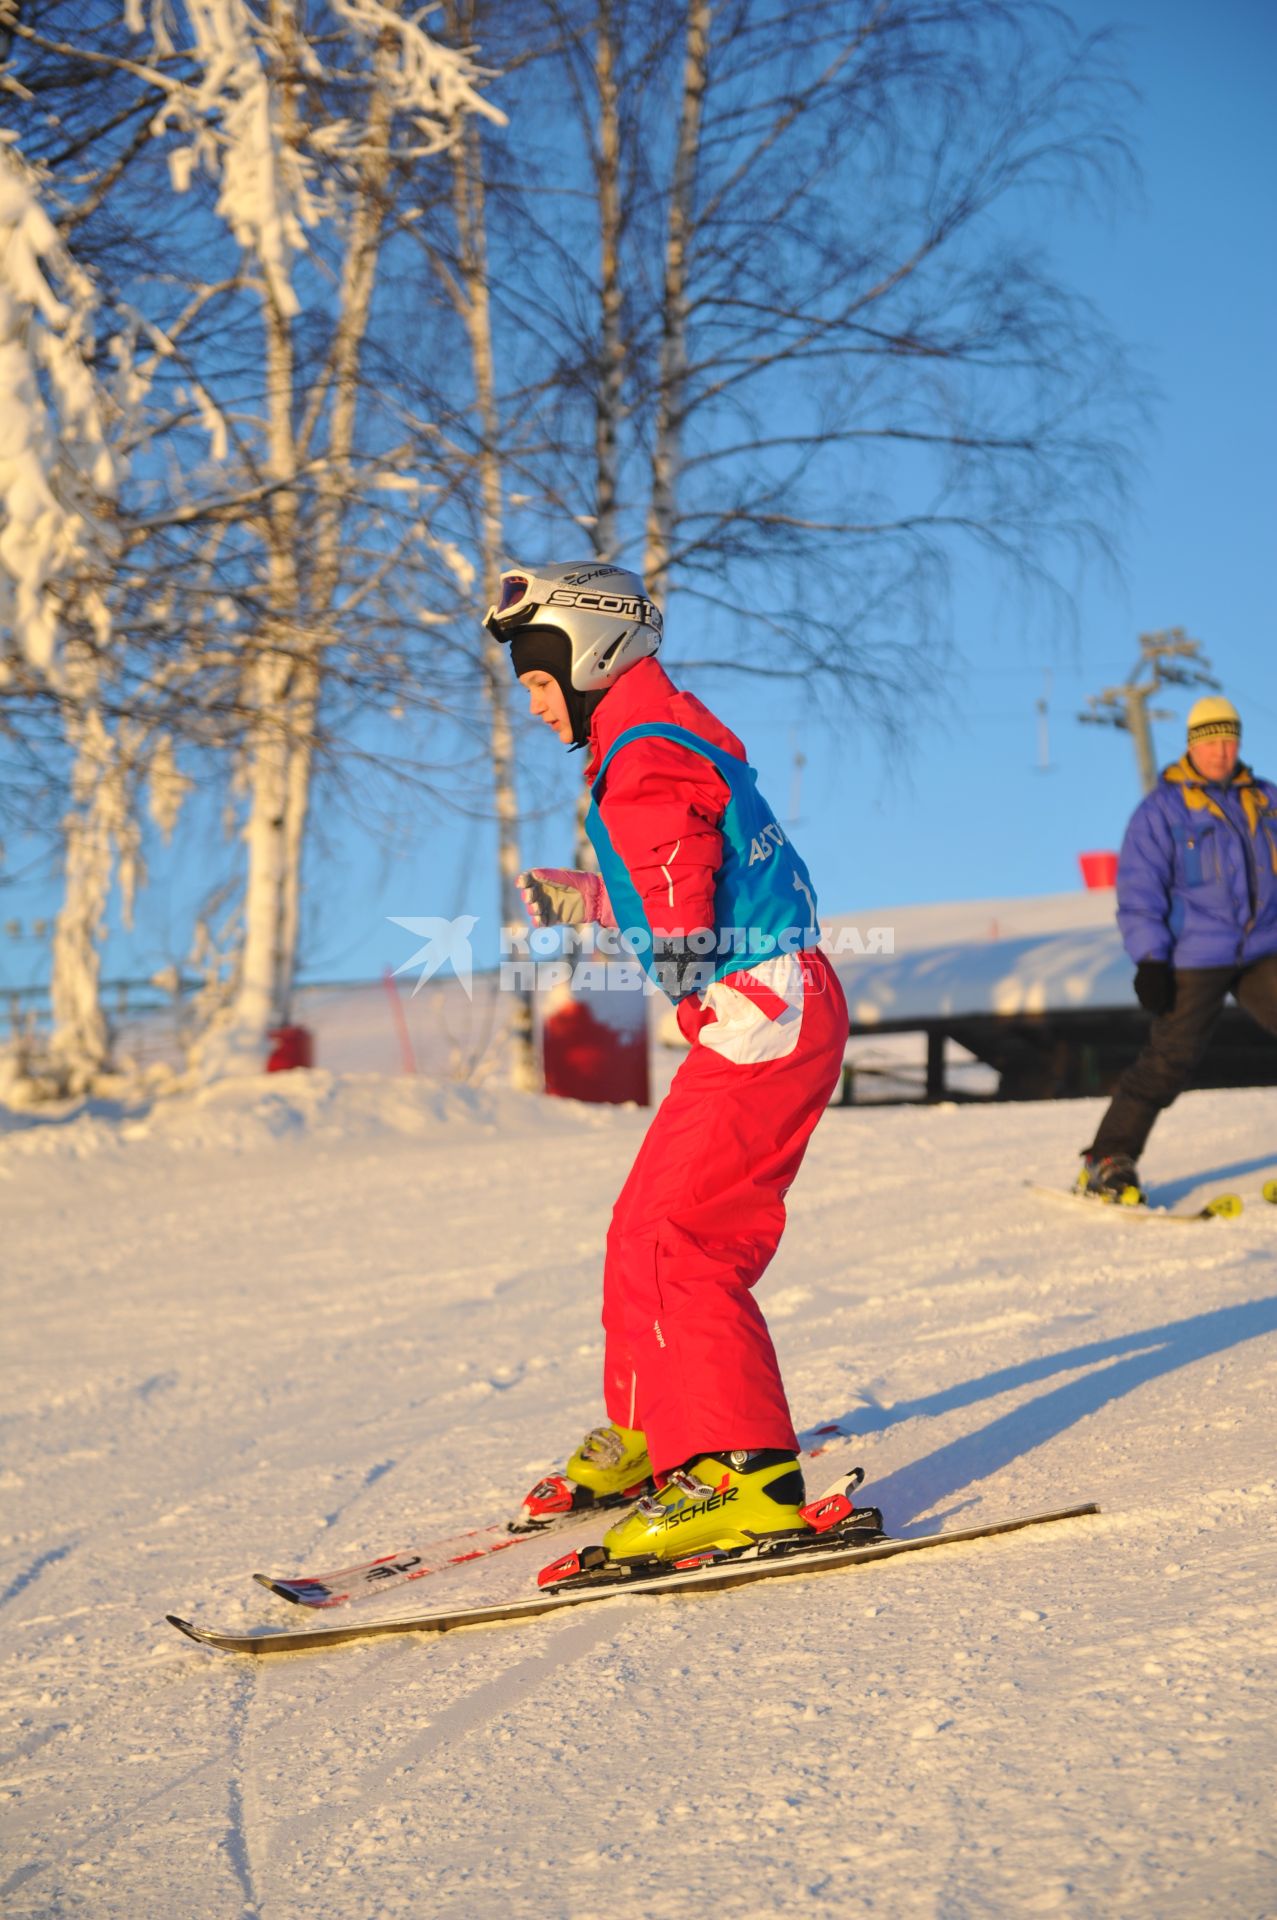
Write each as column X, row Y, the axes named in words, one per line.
column 741, row 1031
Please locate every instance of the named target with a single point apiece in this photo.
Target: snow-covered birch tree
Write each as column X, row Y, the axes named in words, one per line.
column 57, row 545
column 310, row 122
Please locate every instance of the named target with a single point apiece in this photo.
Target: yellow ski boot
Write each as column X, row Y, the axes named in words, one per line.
column 724, row 1501
column 609, row 1468
column 610, row 1461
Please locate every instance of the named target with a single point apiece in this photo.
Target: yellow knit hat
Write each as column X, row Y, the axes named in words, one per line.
column 1211, row 717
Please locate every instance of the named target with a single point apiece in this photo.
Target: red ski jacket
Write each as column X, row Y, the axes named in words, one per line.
column 662, row 803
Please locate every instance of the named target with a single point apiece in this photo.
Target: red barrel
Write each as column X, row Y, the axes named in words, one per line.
column 290, row 1047
column 1098, row 869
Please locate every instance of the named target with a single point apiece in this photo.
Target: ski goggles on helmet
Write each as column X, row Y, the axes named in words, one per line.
column 514, row 605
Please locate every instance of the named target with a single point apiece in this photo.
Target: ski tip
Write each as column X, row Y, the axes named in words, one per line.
column 285, row 1590
column 1225, row 1206
column 252, row 1640
column 1269, row 1191
column 301, row 1593
column 187, row 1627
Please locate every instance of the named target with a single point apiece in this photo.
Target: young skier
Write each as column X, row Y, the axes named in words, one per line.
column 723, row 916
column 1197, row 906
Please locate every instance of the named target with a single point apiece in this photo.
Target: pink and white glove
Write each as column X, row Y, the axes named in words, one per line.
column 564, row 897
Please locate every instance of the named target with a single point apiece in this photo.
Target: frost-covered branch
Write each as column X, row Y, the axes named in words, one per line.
column 55, row 465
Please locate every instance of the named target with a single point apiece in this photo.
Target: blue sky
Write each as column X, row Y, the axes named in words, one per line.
column 1185, row 271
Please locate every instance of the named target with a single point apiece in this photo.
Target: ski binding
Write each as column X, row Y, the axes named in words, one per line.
column 829, row 1522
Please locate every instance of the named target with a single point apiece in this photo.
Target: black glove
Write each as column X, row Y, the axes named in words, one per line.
column 683, row 963
column 1155, row 985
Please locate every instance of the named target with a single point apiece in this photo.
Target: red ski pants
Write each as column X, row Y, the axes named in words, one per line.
column 688, row 1358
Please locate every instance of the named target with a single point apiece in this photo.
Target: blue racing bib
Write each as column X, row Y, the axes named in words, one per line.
column 764, row 903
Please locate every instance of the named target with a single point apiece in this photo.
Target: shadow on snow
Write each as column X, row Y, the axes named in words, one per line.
column 1167, row 1192
column 1114, row 1368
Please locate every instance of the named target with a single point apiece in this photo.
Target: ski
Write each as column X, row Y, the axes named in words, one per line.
column 346, row 1584
column 1221, row 1206
column 343, row 1585
column 699, row 1579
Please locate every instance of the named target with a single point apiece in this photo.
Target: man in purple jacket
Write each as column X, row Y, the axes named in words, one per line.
column 1197, row 906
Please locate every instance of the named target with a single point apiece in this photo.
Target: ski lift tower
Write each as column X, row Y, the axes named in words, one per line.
column 1167, row 659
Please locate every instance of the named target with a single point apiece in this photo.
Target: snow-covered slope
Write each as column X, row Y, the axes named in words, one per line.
column 299, row 1320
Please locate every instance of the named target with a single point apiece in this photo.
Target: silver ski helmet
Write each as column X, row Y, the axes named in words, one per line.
column 603, row 612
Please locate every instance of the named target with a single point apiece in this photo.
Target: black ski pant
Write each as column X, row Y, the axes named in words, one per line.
column 1176, row 1043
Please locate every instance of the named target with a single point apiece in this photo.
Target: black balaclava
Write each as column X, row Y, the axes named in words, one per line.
column 548, row 650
